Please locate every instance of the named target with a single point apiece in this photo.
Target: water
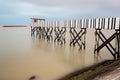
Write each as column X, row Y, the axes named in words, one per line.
column 22, row 56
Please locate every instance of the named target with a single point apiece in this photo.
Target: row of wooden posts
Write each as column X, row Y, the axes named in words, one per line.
column 78, row 30
column 97, row 23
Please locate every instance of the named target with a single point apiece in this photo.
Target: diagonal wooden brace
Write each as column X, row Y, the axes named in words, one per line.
column 76, row 37
column 106, row 42
column 60, row 34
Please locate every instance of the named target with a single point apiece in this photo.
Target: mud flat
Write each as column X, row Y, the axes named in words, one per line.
column 102, row 71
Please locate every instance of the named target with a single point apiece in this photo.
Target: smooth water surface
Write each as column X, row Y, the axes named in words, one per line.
column 22, row 56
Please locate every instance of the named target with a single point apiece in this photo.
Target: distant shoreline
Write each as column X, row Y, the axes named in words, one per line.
column 14, row 26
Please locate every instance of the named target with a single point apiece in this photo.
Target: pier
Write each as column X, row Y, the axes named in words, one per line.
column 56, row 31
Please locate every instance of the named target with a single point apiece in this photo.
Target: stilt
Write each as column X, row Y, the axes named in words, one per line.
column 97, row 39
column 106, row 42
column 117, row 45
column 60, row 34
column 76, row 37
column 48, row 33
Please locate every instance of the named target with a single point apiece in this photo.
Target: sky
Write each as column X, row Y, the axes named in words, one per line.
column 19, row 12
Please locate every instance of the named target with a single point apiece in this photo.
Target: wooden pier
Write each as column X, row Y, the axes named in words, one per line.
column 56, row 31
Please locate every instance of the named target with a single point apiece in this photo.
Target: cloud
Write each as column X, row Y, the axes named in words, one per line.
column 71, row 2
column 53, row 2
column 113, row 3
column 29, row 9
column 58, row 9
column 18, row 9
column 67, row 2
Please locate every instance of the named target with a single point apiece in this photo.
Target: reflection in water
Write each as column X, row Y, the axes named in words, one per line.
column 22, row 57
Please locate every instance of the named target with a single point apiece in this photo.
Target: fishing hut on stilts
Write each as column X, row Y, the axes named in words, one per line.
column 37, row 27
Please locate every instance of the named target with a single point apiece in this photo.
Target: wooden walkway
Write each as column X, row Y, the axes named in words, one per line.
column 56, row 31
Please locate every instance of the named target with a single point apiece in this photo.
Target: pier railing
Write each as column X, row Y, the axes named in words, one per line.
column 78, row 30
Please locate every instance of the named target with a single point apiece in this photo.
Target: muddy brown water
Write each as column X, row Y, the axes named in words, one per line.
column 22, row 56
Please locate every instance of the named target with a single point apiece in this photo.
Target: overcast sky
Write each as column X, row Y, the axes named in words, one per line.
column 20, row 11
